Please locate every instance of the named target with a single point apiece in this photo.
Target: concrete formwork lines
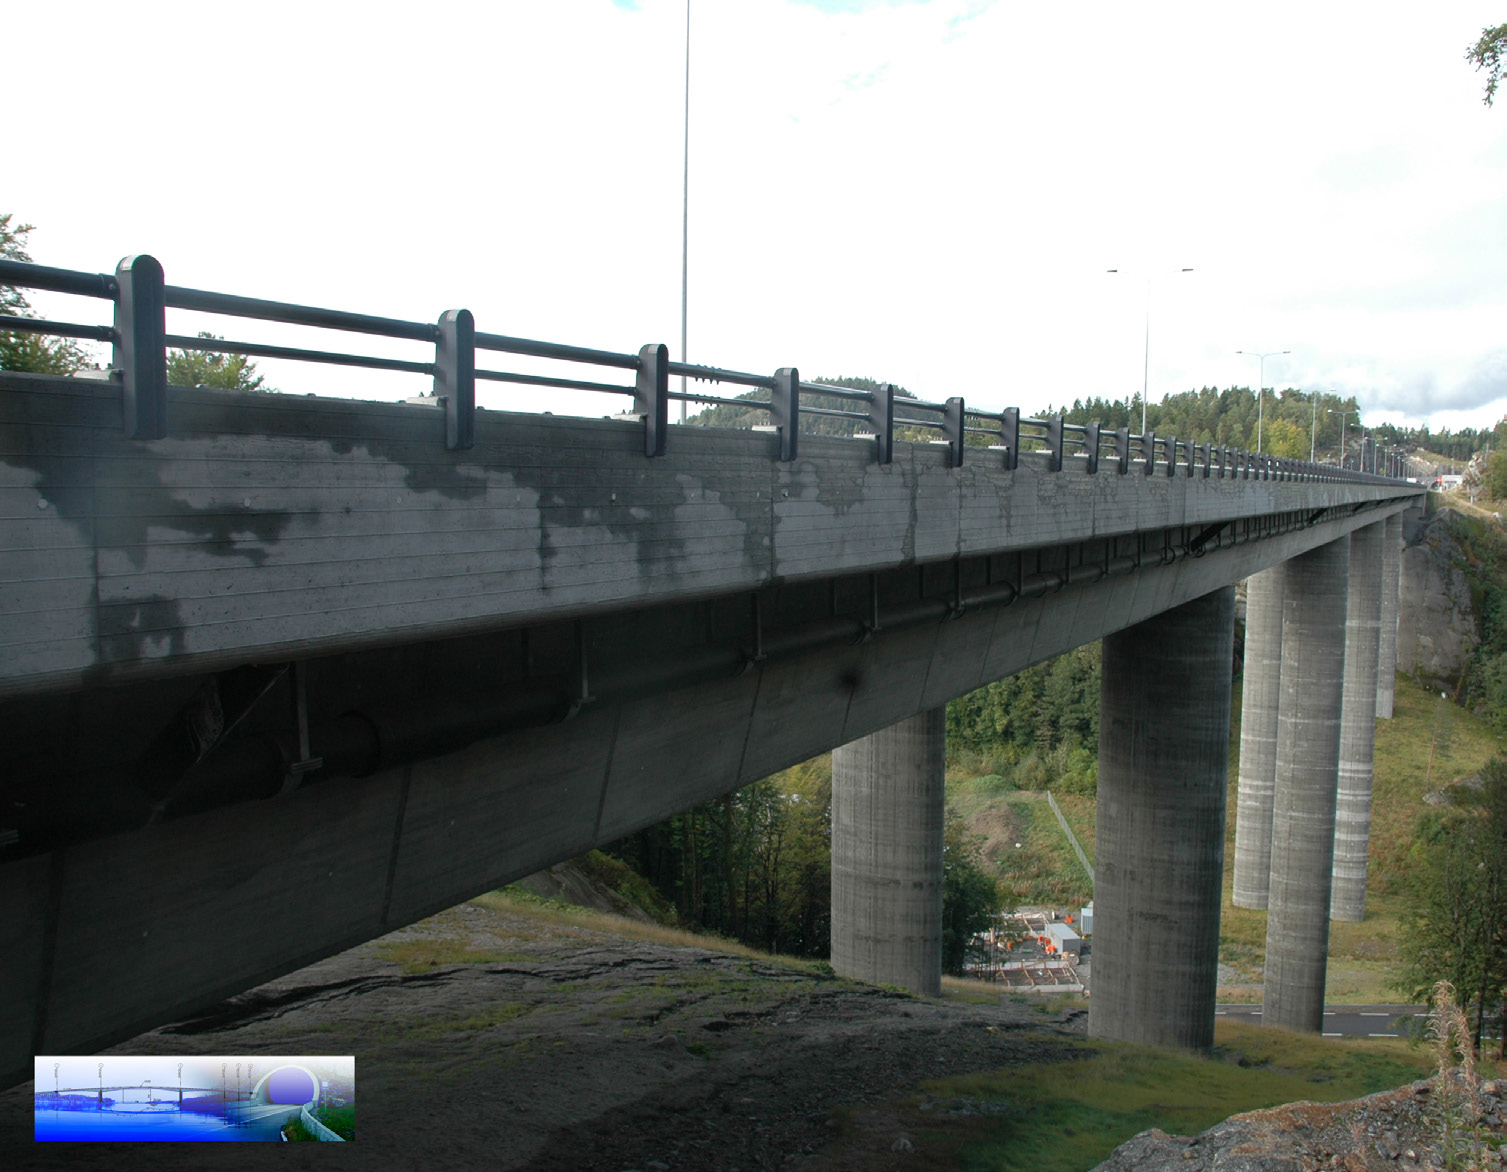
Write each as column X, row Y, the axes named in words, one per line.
column 1352, row 819
column 1164, row 733
column 1308, row 753
column 1260, row 699
column 1391, row 569
column 887, row 816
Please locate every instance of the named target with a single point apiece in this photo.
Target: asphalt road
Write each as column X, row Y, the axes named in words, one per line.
column 1342, row 1021
column 265, row 1121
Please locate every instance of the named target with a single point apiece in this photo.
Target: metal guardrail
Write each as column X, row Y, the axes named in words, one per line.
column 141, row 297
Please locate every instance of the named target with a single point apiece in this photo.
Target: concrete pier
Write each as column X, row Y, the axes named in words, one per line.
column 1352, row 816
column 887, row 812
column 1260, row 694
column 1308, row 753
column 1164, row 734
column 1391, row 569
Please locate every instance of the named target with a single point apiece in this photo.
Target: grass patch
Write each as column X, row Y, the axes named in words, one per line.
column 1070, row 1115
column 552, row 911
column 297, row 1132
column 340, row 1120
column 497, row 1015
column 417, row 956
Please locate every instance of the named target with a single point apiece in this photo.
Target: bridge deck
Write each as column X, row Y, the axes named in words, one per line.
column 278, row 527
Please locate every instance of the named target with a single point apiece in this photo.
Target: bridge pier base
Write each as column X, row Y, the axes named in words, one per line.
column 1308, row 754
column 1164, row 734
column 1259, row 698
column 887, row 813
column 1391, row 570
column 1352, row 816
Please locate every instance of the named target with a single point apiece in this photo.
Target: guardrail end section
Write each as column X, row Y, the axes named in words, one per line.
column 952, row 430
column 785, row 407
column 651, row 396
column 882, row 420
column 141, row 345
column 455, row 376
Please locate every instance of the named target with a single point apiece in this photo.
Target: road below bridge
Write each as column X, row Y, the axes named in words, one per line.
column 1344, row 1021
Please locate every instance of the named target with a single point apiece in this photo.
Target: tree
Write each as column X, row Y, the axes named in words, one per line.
column 204, row 368
column 1496, row 476
column 1454, row 927
column 1486, row 54
column 971, row 896
column 35, row 353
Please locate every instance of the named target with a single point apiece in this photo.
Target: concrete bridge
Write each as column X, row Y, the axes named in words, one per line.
column 281, row 674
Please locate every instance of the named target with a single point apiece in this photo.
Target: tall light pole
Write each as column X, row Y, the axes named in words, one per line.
column 1313, row 428
column 1146, row 355
column 1342, row 415
column 1260, row 386
column 685, row 203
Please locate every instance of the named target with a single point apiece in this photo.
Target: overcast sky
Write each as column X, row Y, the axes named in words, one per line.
column 925, row 192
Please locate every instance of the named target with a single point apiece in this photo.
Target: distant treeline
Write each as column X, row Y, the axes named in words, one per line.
column 1291, row 421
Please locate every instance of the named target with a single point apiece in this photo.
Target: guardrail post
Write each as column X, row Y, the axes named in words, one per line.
column 141, row 346
column 651, row 395
column 1091, row 446
column 785, row 408
column 1192, row 453
column 882, row 420
column 1054, row 443
column 1148, row 452
column 1208, row 453
column 1009, row 435
column 455, row 376
column 1172, row 457
column 952, row 430
column 1122, row 449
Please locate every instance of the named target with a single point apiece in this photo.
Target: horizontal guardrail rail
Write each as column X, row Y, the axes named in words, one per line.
column 140, row 341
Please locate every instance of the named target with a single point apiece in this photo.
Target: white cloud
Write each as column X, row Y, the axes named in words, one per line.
column 927, row 192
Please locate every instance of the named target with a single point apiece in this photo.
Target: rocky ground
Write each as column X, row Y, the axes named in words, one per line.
column 1396, row 1130
column 490, row 1037
column 537, row 1045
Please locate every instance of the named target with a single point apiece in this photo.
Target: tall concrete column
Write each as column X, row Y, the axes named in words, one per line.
column 1164, row 737
column 1308, row 757
column 1259, row 697
column 1352, row 815
column 887, row 812
column 1391, row 569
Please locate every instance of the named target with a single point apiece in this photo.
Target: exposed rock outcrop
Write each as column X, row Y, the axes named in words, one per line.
column 1398, row 1129
column 1436, row 621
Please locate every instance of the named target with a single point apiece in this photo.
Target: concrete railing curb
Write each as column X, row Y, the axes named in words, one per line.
column 318, row 1128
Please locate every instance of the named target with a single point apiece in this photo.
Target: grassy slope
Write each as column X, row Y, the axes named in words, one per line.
column 1361, row 956
column 1056, row 1116
column 1069, row 1116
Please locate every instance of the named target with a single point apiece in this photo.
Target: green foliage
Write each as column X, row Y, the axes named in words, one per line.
column 1486, row 54
column 204, row 368
column 971, row 895
column 1040, row 725
column 754, row 865
column 30, row 352
column 1455, row 925
column 1483, row 685
column 1496, row 476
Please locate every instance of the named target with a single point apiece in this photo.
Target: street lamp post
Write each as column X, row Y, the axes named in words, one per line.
column 1261, row 386
column 1342, row 415
column 1146, row 354
column 1313, row 428
column 685, row 204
